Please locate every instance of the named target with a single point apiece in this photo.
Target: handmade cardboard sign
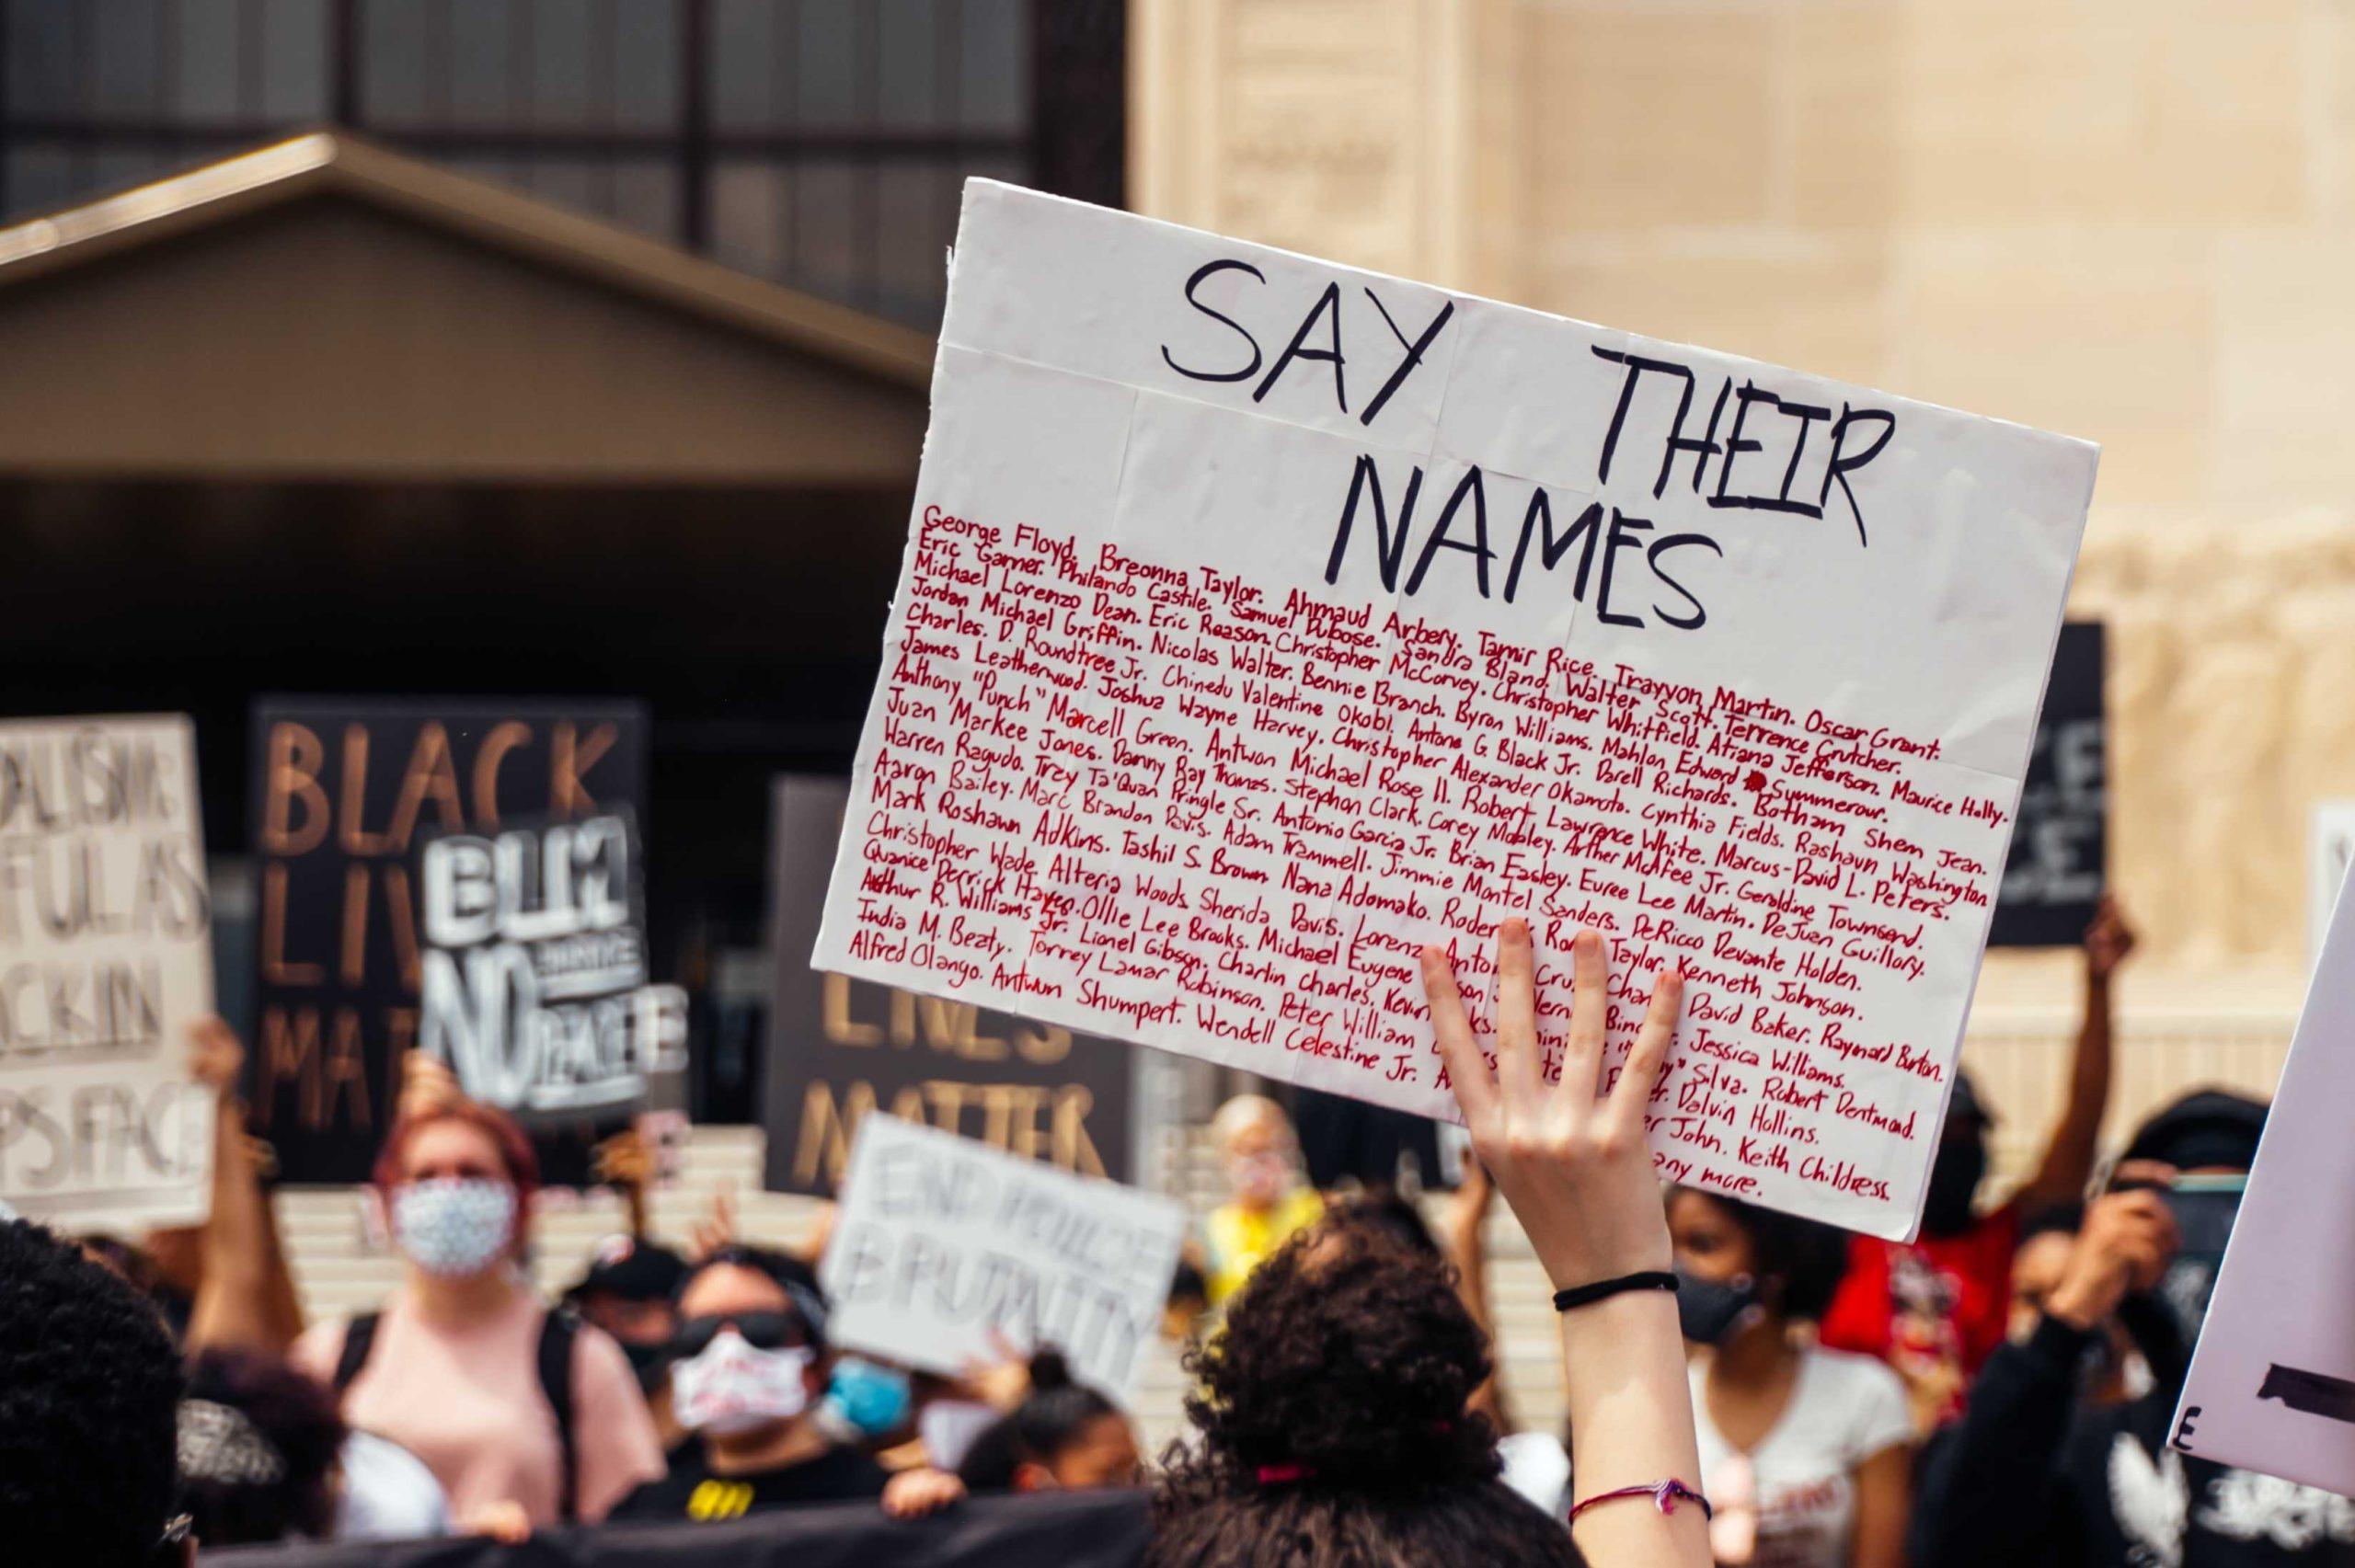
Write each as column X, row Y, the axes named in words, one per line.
column 2272, row 1381
column 840, row 1049
column 947, row 1252
column 537, row 987
column 105, row 959
column 1263, row 620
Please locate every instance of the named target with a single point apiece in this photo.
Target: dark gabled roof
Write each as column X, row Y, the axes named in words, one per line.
column 338, row 164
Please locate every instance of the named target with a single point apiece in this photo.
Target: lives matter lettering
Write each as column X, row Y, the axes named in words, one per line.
column 1263, row 621
column 105, row 959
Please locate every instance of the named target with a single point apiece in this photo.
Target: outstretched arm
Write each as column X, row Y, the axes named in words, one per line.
column 2069, row 1158
column 241, row 1298
column 1574, row 1166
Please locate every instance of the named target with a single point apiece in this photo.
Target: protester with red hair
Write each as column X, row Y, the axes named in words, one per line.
column 527, row 1419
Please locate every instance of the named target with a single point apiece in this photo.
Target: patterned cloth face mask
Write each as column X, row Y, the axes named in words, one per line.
column 454, row 1225
column 732, row 1386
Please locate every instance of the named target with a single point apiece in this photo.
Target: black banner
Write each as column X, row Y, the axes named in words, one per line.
column 839, row 1048
column 1046, row 1529
column 345, row 791
column 2060, row 845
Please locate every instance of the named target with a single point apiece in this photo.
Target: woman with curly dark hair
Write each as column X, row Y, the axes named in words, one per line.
column 1333, row 1415
column 1333, row 1423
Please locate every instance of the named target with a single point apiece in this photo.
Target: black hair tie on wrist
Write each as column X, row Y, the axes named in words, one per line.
column 1602, row 1289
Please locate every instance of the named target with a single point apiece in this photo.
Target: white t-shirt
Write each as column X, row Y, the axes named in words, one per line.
column 388, row 1495
column 1844, row 1408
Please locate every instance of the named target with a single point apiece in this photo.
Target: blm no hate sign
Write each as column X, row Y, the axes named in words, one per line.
column 1263, row 620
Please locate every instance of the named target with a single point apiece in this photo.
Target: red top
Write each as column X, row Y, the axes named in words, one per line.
column 1941, row 1299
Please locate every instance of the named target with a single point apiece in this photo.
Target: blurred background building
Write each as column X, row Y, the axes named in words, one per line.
column 382, row 411
column 585, row 352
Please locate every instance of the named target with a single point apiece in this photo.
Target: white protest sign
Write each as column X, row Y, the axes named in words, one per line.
column 945, row 1246
column 535, row 984
column 2272, row 1381
column 105, row 959
column 1263, row 620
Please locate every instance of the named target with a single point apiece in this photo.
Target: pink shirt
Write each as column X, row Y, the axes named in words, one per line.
column 467, row 1402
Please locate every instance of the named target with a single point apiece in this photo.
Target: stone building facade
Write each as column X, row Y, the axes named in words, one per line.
column 2128, row 220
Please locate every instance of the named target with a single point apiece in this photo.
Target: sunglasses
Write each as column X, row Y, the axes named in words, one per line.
column 762, row 1331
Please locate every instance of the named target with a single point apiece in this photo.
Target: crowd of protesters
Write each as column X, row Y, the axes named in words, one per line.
column 1743, row 1388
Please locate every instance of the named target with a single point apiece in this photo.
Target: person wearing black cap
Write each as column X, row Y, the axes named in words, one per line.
column 2042, row 1473
column 627, row 1292
column 748, row 1373
column 1934, row 1308
column 2198, row 1151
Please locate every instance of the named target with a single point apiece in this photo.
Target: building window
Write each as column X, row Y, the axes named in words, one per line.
column 819, row 143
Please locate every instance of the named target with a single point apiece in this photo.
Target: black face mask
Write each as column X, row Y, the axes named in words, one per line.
column 650, row 1362
column 1708, row 1310
column 1954, row 1182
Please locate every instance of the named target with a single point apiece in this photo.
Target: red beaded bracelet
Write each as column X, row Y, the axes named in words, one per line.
column 1667, row 1495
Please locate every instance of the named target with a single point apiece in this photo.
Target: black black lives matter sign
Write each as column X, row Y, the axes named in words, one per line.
column 2060, row 856
column 537, row 988
column 839, row 1047
column 346, row 793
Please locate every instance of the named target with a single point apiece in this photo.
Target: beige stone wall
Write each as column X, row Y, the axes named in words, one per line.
column 2130, row 220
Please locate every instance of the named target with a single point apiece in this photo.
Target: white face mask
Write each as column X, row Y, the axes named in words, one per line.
column 454, row 1225
column 733, row 1387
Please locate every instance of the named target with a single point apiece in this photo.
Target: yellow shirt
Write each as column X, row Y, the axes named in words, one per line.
column 1241, row 1237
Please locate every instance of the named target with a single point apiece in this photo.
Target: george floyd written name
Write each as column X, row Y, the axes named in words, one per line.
column 535, row 988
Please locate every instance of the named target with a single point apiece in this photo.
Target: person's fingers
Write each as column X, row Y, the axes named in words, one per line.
column 1590, row 1014
column 2146, row 1253
column 1518, row 1071
column 2133, row 1173
column 2145, row 1207
column 1631, row 1096
column 1468, row 1069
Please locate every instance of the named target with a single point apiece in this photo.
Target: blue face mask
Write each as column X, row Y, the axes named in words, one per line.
column 875, row 1400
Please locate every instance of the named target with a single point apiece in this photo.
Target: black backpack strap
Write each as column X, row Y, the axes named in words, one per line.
column 557, row 1332
column 359, row 1339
